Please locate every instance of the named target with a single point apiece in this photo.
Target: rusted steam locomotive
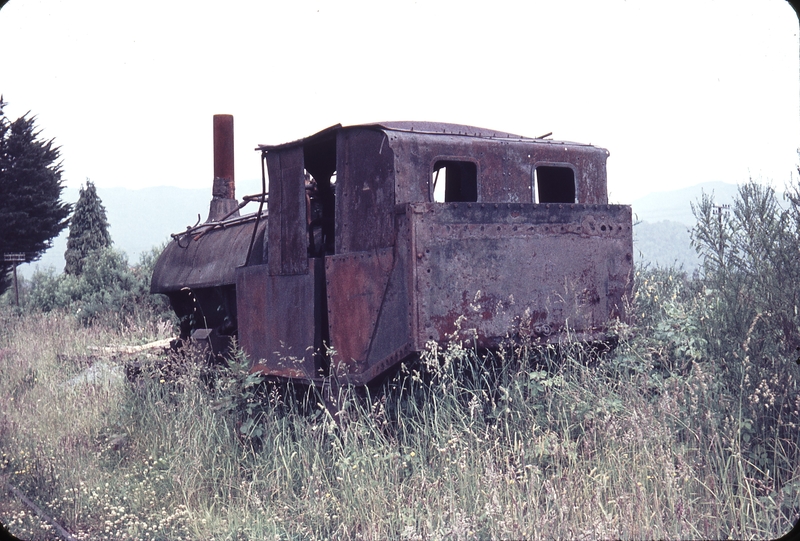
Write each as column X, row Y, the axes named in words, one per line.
column 376, row 238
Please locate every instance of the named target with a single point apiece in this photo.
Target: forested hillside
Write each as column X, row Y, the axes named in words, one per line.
column 662, row 223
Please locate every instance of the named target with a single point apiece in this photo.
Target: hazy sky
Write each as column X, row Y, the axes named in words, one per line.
column 680, row 92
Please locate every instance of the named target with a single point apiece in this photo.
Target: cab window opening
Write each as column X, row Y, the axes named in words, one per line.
column 554, row 184
column 454, row 181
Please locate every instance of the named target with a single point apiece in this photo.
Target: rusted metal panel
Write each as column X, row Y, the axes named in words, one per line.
column 414, row 127
column 394, row 333
column 503, row 176
column 287, row 213
column 251, row 300
column 588, row 162
column 505, row 168
column 206, row 257
column 483, row 269
column 277, row 321
column 371, row 327
column 364, row 191
column 356, row 286
column 323, row 134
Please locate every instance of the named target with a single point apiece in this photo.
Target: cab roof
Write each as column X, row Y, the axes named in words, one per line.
column 423, row 128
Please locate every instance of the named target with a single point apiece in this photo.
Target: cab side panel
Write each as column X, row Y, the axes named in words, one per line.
column 364, row 191
column 544, row 270
column 287, row 231
column 277, row 321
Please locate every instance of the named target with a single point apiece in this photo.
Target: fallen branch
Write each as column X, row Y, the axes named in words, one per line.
column 158, row 344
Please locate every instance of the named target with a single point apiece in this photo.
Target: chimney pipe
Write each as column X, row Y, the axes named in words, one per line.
column 223, row 200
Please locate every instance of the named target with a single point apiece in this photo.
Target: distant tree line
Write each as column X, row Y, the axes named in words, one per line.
column 97, row 281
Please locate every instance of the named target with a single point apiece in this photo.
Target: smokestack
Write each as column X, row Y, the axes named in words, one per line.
column 223, row 193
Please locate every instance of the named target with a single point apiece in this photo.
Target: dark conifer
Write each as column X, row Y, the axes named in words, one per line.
column 88, row 229
column 31, row 210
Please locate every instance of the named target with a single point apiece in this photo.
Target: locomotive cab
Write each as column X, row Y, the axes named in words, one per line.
column 380, row 238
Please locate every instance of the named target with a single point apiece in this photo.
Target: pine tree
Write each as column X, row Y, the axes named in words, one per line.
column 88, row 229
column 31, row 210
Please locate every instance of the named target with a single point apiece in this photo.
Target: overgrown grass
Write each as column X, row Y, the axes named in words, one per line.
column 650, row 441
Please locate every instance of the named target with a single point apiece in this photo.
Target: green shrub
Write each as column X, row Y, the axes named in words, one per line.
column 751, row 291
column 752, row 269
column 108, row 288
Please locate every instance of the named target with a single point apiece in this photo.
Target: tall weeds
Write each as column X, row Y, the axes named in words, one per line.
column 647, row 441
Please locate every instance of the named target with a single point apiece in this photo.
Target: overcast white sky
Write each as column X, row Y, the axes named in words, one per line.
column 680, row 92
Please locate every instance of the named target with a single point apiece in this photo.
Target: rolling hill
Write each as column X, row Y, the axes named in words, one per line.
column 663, row 221
column 144, row 218
column 140, row 219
